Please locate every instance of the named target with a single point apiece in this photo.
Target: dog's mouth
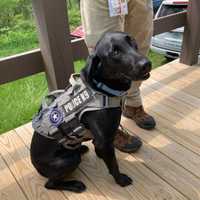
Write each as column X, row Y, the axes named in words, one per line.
column 145, row 76
column 137, row 78
column 141, row 77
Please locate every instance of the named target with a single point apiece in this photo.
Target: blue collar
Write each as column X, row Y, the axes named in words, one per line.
column 109, row 90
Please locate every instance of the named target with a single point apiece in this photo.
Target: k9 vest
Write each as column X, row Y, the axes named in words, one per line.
column 61, row 111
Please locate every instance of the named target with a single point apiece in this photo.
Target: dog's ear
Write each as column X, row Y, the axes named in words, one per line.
column 131, row 41
column 93, row 66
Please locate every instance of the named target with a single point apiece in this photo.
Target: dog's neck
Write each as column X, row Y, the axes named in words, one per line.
column 110, row 87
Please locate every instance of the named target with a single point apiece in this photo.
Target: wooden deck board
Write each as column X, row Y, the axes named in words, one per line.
column 92, row 193
column 16, row 156
column 9, row 189
column 180, row 76
column 179, row 178
column 97, row 173
column 173, row 116
column 166, row 168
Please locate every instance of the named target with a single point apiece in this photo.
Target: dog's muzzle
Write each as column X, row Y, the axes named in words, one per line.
column 141, row 70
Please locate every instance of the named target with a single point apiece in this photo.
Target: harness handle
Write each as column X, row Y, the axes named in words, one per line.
column 52, row 95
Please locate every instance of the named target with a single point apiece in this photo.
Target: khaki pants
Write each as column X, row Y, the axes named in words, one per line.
column 138, row 23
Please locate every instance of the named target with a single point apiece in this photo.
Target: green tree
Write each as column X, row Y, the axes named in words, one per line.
column 7, row 8
column 13, row 12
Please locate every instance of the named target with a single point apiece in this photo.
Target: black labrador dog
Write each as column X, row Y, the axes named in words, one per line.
column 115, row 62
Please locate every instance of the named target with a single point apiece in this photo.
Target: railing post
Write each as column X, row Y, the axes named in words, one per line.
column 191, row 38
column 53, row 29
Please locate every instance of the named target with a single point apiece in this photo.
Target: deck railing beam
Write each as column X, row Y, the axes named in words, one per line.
column 31, row 62
column 191, row 38
column 169, row 22
column 53, row 29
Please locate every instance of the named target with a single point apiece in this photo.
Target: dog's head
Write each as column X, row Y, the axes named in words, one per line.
column 116, row 56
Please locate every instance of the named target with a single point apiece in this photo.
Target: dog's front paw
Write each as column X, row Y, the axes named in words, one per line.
column 123, row 180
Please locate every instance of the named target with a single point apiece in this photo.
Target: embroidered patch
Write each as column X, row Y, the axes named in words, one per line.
column 56, row 117
column 78, row 101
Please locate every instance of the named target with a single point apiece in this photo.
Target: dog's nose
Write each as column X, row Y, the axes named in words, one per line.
column 144, row 64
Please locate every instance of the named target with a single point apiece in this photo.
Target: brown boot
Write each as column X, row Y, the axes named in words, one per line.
column 141, row 118
column 127, row 143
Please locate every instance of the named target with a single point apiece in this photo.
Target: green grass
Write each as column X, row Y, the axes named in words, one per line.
column 20, row 99
column 23, row 36
column 157, row 59
column 18, row 41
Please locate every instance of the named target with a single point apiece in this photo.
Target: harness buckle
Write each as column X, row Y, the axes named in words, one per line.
column 105, row 101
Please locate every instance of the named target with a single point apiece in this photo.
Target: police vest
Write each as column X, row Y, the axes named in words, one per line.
column 65, row 108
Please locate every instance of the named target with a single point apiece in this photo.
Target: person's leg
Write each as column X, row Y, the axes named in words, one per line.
column 139, row 24
column 96, row 21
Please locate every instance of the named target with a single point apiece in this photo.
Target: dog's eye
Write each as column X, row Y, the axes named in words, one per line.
column 132, row 42
column 136, row 46
column 115, row 51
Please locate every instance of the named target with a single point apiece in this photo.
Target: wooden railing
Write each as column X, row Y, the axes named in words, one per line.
column 57, row 52
column 31, row 62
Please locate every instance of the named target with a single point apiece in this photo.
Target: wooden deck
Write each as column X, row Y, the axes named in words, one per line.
column 166, row 168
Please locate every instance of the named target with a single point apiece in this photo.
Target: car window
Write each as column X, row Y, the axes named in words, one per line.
column 170, row 9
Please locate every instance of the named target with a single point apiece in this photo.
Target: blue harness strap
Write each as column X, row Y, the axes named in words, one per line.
column 109, row 90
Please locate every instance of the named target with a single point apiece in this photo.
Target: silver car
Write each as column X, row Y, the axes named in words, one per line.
column 169, row 44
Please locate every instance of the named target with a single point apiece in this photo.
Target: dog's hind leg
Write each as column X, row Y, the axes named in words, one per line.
column 59, row 167
column 74, row 186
